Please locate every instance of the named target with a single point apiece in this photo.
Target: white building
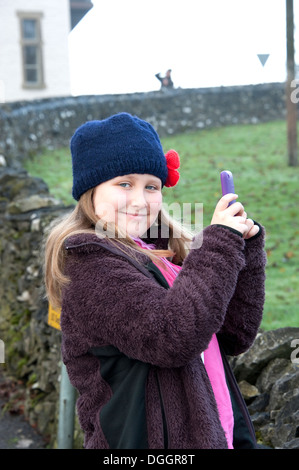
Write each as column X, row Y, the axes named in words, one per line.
column 34, row 55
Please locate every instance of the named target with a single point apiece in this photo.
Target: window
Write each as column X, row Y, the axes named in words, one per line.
column 31, row 45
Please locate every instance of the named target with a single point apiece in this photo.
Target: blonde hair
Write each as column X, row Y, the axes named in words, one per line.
column 83, row 220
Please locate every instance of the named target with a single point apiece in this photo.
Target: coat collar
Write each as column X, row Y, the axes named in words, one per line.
column 156, row 235
column 88, row 243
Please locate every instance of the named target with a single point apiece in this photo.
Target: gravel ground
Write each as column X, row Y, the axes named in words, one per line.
column 15, row 431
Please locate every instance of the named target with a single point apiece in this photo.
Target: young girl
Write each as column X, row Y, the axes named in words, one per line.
column 146, row 321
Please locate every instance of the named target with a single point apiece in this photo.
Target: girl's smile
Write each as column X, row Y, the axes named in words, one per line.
column 136, row 216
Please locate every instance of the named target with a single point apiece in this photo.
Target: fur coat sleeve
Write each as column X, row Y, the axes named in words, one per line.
column 245, row 310
column 110, row 302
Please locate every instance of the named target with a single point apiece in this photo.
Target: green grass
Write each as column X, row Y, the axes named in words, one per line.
column 54, row 167
column 266, row 185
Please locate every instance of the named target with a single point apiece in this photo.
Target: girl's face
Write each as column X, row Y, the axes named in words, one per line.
column 132, row 202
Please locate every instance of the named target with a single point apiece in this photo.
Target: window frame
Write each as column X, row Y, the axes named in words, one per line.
column 37, row 43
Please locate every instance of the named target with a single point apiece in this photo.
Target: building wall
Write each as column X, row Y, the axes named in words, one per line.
column 55, row 27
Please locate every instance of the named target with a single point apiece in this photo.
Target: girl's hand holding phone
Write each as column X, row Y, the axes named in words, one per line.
column 231, row 213
column 234, row 216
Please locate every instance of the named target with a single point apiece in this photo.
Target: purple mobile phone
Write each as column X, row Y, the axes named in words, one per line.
column 227, row 183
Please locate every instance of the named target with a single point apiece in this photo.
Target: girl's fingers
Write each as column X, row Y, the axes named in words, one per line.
column 236, row 209
column 225, row 200
column 240, row 219
column 224, row 212
column 252, row 231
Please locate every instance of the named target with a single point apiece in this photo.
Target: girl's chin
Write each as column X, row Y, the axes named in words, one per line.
column 135, row 229
column 135, row 233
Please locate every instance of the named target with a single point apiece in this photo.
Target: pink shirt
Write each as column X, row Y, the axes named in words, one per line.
column 211, row 358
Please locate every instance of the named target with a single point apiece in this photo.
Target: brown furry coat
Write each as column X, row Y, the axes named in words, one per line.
column 132, row 347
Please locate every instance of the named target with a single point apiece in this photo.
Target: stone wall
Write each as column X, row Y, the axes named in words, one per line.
column 268, row 377
column 32, row 347
column 26, row 128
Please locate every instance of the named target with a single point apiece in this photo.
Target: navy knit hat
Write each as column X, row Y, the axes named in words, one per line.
column 119, row 145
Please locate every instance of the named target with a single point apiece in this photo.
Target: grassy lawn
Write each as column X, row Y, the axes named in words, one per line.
column 267, row 187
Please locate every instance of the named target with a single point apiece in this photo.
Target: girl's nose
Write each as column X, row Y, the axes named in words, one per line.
column 138, row 199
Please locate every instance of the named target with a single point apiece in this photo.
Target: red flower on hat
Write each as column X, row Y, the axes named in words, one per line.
column 173, row 163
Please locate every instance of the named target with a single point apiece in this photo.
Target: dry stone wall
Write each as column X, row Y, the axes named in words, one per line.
column 28, row 127
column 268, row 376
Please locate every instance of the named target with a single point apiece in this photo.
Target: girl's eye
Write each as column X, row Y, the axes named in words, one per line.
column 127, row 185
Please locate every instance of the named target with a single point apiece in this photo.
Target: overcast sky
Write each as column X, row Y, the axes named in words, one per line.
column 120, row 45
